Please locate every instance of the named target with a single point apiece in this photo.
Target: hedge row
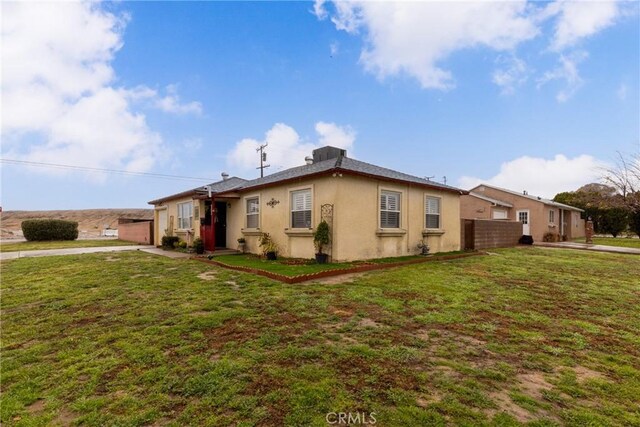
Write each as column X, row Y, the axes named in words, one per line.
column 49, row 229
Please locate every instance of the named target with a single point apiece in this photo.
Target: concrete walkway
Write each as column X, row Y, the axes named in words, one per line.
column 76, row 251
column 584, row 246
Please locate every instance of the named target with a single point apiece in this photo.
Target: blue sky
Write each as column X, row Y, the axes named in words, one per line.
column 524, row 95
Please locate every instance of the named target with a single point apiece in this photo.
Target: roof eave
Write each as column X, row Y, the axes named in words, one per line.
column 348, row 172
column 173, row 196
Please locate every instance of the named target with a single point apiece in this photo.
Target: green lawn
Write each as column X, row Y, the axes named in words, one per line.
column 294, row 267
column 60, row 244
column 525, row 335
column 611, row 241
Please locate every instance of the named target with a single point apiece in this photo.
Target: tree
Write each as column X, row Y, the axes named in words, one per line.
column 624, row 176
column 602, row 203
column 614, row 220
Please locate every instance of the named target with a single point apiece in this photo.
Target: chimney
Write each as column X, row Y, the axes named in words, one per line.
column 327, row 153
column 308, row 160
column 225, row 176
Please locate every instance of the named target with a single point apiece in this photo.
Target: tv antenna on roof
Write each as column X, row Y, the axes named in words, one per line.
column 263, row 159
column 428, row 178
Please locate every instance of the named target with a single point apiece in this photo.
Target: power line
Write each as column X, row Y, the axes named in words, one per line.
column 114, row 171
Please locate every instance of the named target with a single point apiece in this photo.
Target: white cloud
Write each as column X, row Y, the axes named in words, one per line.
column 566, row 70
column 577, row 20
column 416, row 38
column 542, row 177
column 413, row 38
column 286, row 148
column 334, row 48
column 59, row 101
column 621, row 93
column 513, row 73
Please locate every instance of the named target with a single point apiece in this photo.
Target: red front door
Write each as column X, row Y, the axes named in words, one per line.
column 207, row 229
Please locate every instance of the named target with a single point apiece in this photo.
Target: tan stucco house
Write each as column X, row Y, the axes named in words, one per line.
column 537, row 215
column 373, row 212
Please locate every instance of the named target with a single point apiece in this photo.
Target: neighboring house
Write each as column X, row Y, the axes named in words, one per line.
column 373, row 212
column 537, row 215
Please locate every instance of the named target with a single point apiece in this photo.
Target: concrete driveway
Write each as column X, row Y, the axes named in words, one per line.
column 584, row 246
column 76, row 251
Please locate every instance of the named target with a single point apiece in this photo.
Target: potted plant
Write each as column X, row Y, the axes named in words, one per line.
column 321, row 238
column 198, row 246
column 241, row 243
column 269, row 247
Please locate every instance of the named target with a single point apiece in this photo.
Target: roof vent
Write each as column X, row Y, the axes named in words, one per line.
column 225, row 176
column 308, row 160
column 328, row 152
column 525, row 192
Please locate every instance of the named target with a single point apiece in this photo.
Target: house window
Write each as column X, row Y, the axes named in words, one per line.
column 185, row 215
column 500, row 214
column 432, row 210
column 552, row 216
column 253, row 212
column 301, row 209
column 389, row 209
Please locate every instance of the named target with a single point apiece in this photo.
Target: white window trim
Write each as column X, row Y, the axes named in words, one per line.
column 552, row 216
column 246, row 214
column 439, row 198
column 178, row 205
column 400, row 208
column 288, row 212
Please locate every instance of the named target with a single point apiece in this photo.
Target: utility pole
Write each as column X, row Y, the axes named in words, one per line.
column 263, row 158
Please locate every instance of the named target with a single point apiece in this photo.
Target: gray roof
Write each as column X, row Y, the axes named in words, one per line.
column 339, row 164
column 222, row 186
column 489, row 199
column 343, row 164
column 216, row 187
column 536, row 198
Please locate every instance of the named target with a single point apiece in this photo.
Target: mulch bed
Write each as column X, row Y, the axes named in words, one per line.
column 337, row 271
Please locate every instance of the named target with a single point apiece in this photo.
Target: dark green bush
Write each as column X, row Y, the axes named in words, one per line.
column 49, row 229
column 169, row 241
column 198, row 246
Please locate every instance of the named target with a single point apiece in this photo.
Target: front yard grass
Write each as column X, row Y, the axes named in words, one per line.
column 527, row 335
column 60, row 244
column 295, row 266
column 625, row 242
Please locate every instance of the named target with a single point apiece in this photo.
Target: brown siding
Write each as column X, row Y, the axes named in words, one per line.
column 483, row 233
column 139, row 232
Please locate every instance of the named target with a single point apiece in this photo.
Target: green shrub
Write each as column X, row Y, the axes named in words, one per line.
column 198, row 246
column 169, row 241
column 182, row 244
column 321, row 237
column 49, row 229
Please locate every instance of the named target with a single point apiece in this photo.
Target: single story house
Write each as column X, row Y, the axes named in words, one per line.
column 372, row 211
column 537, row 215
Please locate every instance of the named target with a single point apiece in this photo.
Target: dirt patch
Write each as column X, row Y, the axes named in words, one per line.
column 343, row 278
column 207, row 275
column 424, row 401
column 233, row 330
column 533, row 384
column 137, row 276
column 233, row 284
column 340, row 312
column 36, row 407
column 65, row 417
column 505, row 404
column 585, row 374
column 368, row 323
column 111, row 259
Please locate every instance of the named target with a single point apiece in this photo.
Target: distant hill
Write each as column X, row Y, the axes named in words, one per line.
column 91, row 222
